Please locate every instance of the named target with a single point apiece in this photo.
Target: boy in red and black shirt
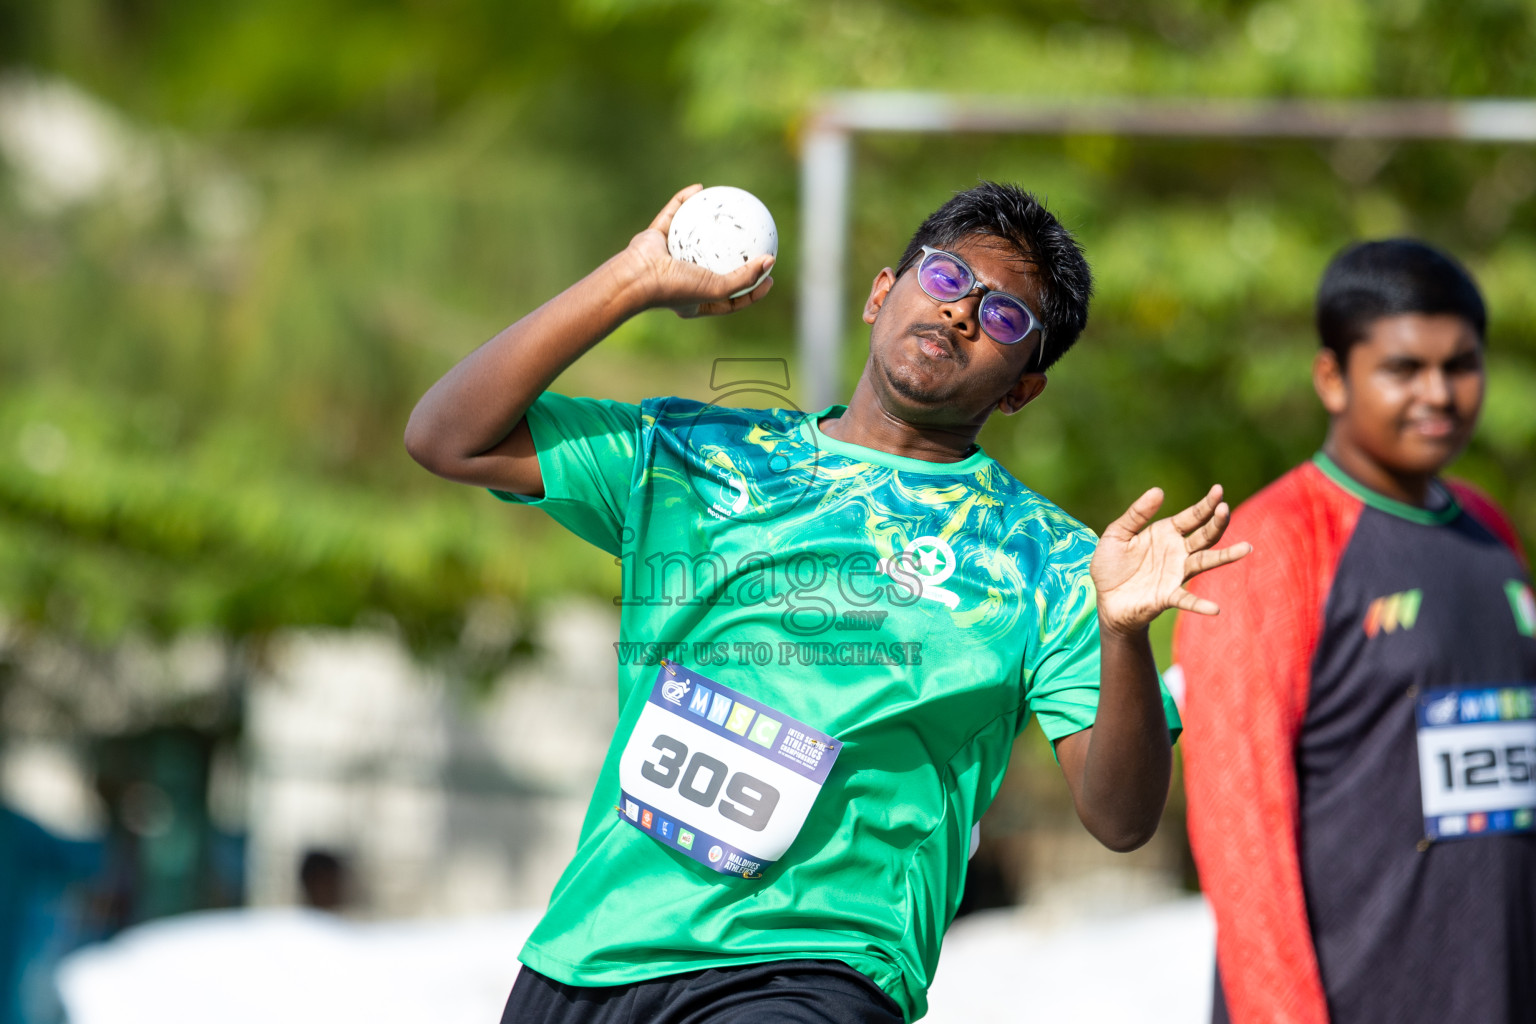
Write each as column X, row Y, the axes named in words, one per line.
column 1360, row 737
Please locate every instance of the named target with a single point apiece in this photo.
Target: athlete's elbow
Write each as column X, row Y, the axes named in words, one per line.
column 422, row 446
column 1124, row 840
column 1123, row 829
column 432, row 452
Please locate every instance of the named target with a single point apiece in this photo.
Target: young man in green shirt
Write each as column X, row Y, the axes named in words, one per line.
column 781, row 827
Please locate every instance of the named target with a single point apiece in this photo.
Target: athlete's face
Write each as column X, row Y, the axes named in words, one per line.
column 1408, row 398
column 930, row 362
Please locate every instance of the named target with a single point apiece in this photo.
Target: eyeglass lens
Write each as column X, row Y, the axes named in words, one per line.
column 946, row 279
column 1003, row 318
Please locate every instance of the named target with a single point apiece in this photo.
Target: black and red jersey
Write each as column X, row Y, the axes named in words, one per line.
column 1361, row 866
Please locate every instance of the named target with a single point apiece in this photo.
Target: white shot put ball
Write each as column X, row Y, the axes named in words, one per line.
column 721, row 228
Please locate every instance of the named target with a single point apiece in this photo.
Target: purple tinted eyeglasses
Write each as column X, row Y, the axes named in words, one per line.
column 945, row 277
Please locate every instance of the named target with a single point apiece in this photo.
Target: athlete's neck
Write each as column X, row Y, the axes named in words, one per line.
column 868, row 424
column 1416, row 489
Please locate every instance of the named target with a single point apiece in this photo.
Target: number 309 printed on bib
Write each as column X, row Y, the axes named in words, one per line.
column 720, row 777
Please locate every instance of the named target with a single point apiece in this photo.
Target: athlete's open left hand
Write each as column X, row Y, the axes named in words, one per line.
column 1141, row 566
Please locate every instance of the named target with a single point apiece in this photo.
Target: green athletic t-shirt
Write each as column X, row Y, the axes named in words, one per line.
column 916, row 611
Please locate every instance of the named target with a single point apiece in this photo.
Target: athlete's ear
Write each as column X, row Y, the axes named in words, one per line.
column 878, row 290
column 1329, row 383
column 1025, row 390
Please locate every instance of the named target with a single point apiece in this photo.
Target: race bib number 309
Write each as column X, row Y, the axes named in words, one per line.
column 1477, row 761
column 718, row 776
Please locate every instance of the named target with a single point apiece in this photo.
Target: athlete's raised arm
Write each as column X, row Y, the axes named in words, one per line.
column 469, row 426
column 1119, row 769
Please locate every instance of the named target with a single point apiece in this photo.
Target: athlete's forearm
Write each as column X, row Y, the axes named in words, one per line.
column 1126, row 768
column 477, row 404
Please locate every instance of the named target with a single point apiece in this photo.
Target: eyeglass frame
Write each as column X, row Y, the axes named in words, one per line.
column 1036, row 324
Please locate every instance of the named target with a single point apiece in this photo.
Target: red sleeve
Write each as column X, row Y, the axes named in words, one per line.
column 1247, row 674
column 1482, row 508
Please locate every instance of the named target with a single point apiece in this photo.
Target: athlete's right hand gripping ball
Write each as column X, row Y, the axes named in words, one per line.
column 722, row 228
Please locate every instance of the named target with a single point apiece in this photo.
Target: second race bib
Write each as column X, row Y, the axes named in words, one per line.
column 1477, row 761
column 718, row 776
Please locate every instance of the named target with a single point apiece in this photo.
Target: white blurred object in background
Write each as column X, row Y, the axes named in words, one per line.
column 1150, row 965
column 296, row 966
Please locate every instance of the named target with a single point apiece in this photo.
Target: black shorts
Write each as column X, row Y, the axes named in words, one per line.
column 778, row 992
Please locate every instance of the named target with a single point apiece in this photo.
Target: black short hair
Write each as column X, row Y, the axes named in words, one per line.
column 1371, row 280
column 1016, row 216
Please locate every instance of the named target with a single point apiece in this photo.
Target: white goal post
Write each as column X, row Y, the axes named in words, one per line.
column 826, row 162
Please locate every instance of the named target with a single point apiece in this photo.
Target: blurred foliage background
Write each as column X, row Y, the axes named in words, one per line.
column 211, row 341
